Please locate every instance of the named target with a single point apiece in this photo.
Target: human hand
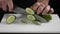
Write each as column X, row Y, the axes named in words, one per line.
column 42, row 8
column 5, row 3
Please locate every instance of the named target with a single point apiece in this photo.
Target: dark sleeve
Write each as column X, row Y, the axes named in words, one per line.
column 56, row 5
column 1, row 14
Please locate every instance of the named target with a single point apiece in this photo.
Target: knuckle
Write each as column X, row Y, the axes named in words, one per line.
column 38, row 3
column 47, row 8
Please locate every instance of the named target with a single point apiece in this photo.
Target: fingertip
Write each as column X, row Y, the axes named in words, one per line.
column 10, row 10
column 10, row 5
column 51, row 10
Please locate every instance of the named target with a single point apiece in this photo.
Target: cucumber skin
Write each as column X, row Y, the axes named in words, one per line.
column 48, row 17
column 40, row 19
column 11, row 22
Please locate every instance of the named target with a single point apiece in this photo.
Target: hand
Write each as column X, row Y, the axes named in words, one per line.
column 5, row 3
column 42, row 8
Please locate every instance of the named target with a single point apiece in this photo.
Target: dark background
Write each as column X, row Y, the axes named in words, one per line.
column 56, row 5
column 27, row 3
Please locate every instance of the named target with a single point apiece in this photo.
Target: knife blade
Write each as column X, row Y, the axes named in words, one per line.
column 22, row 11
column 19, row 10
column 41, row 19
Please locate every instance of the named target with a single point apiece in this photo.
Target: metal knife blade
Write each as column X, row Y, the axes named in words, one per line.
column 19, row 10
column 41, row 19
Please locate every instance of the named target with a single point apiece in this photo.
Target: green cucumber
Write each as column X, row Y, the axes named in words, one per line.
column 30, row 11
column 36, row 22
column 47, row 17
column 40, row 19
column 10, row 19
column 24, row 20
column 31, row 17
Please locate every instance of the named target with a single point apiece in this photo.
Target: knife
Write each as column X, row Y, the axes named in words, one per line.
column 19, row 10
column 22, row 11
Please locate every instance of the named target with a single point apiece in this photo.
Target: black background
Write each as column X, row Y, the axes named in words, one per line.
column 56, row 5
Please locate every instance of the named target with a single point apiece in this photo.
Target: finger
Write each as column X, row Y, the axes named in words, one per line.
column 0, row 5
column 40, row 9
column 35, row 6
column 51, row 10
column 46, row 10
column 10, row 5
column 4, row 6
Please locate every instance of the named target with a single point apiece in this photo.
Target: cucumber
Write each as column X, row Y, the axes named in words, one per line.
column 36, row 22
column 29, row 11
column 24, row 20
column 31, row 17
column 47, row 17
column 10, row 19
column 40, row 19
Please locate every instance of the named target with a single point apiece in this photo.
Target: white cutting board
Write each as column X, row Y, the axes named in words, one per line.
column 52, row 27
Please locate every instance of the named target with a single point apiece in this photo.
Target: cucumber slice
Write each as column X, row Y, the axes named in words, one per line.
column 47, row 17
column 24, row 20
column 30, row 11
column 10, row 19
column 30, row 17
column 36, row 22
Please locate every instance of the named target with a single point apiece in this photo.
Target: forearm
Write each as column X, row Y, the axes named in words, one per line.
column 44, row 1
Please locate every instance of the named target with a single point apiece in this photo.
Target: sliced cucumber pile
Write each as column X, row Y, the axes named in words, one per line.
column 31, row 17
column 10, row 19
column 35, row 19
column 30, row 11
